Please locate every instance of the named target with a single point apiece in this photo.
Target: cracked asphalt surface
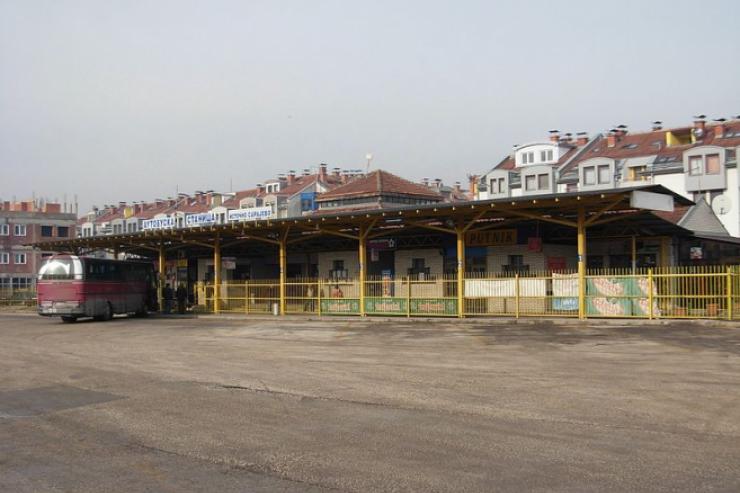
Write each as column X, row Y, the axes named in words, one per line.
column 212, row 404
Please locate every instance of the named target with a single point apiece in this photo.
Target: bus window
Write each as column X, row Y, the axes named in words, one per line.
column 65, row 268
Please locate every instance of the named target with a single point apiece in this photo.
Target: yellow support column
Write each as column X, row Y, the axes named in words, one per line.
column 665, row 249
column 516, row 295
column 729, row 293
column 460, row 272
column 651, row 313
column 283, row 270
column 217, row 275
column 581, row 262
column 160, row 278
column 362, row 257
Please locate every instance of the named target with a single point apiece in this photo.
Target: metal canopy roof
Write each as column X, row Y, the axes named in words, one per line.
column 557, row 209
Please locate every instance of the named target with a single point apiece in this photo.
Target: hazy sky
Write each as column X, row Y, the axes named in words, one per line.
column 130, row 100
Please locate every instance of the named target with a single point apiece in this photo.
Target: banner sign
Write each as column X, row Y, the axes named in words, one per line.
column 564, row 291
column 250, row 214
column 202, row 219
column 434, row 306
column 382, row 244
column 385, row 305
column 162, row 223
column 491, row 237
column 340, row 305
column 619, row 296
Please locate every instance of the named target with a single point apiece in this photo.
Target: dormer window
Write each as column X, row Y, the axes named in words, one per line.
column 546, row 156
column 528, row 157
column 708, row 164
column 596, row 175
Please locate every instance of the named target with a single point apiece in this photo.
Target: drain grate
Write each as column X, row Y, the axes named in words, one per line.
column 33, row 402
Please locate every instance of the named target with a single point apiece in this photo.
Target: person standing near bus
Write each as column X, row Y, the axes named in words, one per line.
column 167, row 297
column 182, row 295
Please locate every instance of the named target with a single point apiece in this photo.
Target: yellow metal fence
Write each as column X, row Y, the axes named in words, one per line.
column 18, row 297
column 677, row 292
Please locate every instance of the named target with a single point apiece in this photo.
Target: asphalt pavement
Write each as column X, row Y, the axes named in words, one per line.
column 214, row 404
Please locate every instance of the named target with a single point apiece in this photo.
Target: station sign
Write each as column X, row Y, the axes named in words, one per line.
column 491, row 237
column 250, row 214
column 202, row 219
column 161, row 223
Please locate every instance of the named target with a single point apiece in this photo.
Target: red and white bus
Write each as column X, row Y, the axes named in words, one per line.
column 73, row 287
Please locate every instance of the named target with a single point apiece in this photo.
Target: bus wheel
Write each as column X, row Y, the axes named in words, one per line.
column 107, row 315
column 69, row 320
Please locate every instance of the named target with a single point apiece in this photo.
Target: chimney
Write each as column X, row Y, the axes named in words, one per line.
column 554, row 136
column 260, row 188
column 568, row 138
column 620, row 131
column 306, row 172
column 425, row 182
column 611, row 138
column 438, row 183
column 473, row 180
column 657, row 125
column 457, row 187
column 719, row 129
column 336, row 172
column 699, row 123
column 581, row 139
column 322, row 172
column 291, row 177
column 345, row 176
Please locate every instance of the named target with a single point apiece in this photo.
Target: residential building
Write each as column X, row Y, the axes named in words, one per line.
column 698, row 162
column 24, row 223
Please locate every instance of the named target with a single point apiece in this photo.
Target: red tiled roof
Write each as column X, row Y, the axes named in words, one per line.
column 377, row 183
column 239, row 196
column 654, row 143
column 674, row 216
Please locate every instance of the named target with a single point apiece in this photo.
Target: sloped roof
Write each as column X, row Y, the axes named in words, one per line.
column 653, row 142
column 701, row 219
column 380, row 182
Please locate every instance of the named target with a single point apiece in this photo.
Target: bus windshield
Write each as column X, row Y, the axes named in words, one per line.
column 61, row 268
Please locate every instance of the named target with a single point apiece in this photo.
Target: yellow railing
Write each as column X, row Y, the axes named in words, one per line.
column 677, row 292
column 18, row 297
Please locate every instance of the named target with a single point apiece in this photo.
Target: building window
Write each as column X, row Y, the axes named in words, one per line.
column 530, row 183
column 4, row 258
column 338, row 271
column 498, row 185
column 589, row 175
column 19, row 259
column 22, row 282
column 712, row 164
column 528, row 157
column 47, row 231
column 636, row 173
column 695, row 165
column 546, row 156
column 533, row 183
column 604, row 177
column 418, row 268
column 63, row 231
column 19, row 230
column 4, row 230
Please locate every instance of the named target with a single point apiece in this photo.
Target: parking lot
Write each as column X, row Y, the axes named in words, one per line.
column 213, row 404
